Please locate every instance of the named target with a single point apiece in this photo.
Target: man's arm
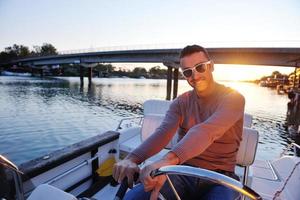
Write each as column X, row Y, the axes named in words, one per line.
column 204, row 134
column 158, row 140
column 162, row 135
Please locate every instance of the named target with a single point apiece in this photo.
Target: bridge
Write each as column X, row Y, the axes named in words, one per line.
column 247, row 56
column 285, row 57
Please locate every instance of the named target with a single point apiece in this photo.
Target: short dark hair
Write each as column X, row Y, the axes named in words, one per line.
column 190, row 49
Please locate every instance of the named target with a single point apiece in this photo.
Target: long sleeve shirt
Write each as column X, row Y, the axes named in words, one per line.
column 209, row 129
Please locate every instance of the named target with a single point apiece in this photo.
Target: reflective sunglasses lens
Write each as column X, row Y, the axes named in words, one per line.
column 200, row 68
column 187, row 73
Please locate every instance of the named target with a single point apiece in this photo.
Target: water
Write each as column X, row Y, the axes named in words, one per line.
column 38, row 116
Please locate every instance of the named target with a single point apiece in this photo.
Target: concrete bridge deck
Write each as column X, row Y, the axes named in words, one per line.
column 249, row 56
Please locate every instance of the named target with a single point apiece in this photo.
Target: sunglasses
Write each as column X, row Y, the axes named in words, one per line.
column 200, row 68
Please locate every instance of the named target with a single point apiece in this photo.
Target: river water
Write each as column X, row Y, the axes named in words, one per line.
column 38, row 116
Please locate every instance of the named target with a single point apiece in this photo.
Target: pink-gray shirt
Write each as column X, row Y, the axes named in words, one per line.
column 209, row 129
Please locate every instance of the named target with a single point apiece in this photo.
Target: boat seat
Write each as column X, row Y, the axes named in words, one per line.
column 248, row 146
column 48, row 192
column 130, row 144
column 154, row 113
column 156, row 106
column 150, row 123
column 129, row 133
column 247, row 120
column 246, row 153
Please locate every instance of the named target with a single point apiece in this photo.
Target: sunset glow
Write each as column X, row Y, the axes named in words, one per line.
column 246, row 72
column 223, row 72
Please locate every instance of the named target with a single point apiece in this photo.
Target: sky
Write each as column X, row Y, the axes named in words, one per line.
column 82, row 24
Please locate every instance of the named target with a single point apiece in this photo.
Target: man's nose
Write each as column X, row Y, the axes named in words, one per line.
column 195, row 74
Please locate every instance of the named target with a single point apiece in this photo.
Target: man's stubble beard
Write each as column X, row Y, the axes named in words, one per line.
column 201, row 85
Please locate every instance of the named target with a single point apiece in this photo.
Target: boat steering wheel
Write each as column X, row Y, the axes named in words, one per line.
column 198, row 173
column 207, row 175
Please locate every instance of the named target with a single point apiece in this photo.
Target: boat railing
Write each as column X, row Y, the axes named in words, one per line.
column 73, row 169
column 293, row 146
column 130, row 122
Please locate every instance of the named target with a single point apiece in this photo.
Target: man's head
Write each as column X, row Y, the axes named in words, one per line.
column 197, row 68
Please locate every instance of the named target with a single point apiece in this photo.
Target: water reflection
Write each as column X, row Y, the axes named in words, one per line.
column 40, row 115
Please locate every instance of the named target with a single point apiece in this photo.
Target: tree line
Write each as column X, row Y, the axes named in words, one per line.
column 16, row 51
column 109, row 70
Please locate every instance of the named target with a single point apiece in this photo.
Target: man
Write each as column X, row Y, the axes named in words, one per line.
column 209, row 122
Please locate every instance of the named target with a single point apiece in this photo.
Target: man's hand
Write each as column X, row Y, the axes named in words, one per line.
column 149, row 182
column 155, row 184
column 125, row 168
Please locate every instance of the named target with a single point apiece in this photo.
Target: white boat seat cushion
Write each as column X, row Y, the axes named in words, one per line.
column 158, row 107
column 154, row 113
column 48, row 192
column 150, row 123
column 247, row 120
column 247, row 151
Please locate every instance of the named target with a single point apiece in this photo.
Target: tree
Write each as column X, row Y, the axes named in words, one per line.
column 276, row 74
column 5, row 57
column 45, row 50
column 157, row 72
column 14, row 52
column 23, row 51
column 36, row 50
column 139, row 71
column 48, row 49
column 105, row 68
column 18, row 51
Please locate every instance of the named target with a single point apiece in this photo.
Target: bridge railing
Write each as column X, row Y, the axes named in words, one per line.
column 210, row 44
column 121, row 48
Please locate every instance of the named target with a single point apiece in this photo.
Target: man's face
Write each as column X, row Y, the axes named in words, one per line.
column 199, row 81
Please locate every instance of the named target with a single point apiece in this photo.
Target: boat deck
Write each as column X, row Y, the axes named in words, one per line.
column 271, row 177
column 108, row 192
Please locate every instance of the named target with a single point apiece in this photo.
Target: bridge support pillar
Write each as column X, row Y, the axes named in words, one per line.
column 169, row 83
column 90, row 75
column 90, row 72
column 175, row 82
column 41, row 73
column 172, row 74
column 81, row 75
